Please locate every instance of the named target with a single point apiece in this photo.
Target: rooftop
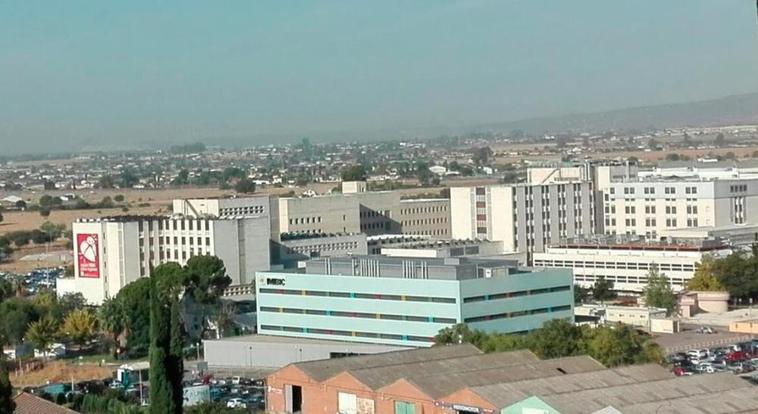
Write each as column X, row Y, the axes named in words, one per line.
column 31, row 404
column 327, row 368
column 623, row 243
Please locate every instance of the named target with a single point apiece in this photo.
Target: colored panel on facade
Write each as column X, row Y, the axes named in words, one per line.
column 88, row 255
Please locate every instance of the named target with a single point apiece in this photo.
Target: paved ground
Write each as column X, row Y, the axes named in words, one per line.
column 686, row 340
column 722, row 319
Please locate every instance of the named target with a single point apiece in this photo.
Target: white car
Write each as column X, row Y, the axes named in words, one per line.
column 236, row 403
column 698, row 354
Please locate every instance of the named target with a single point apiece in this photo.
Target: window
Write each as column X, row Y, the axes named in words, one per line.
column 402, row 407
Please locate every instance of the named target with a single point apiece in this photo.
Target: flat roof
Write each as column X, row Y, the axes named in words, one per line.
column 272, row 339
column 644, row 246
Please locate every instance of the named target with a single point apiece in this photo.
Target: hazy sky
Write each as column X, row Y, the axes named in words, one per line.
column 76, row 73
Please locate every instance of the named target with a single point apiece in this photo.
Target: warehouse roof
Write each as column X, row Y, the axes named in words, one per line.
column 505, row 394
column 441, row 384
column 671, row 392
column 324, row 369
column 377, row 377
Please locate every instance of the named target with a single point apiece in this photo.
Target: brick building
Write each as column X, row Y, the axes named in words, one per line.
column 460, row 379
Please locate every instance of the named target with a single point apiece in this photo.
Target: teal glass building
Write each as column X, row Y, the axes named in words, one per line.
column 407, row 301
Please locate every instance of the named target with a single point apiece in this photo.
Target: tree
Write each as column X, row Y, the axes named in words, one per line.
column 80, row 326
column 7, row 406
column 70, row 302
column 165, row 370
column 44, row 212
column 112, row 320
column 354, row 173
column 613, row 346
column 41, row 334
column 720, row 140
column 704, row 279
column 602, row 290
column 119, row 198
column 581, row 294
column 224, row 318
column 15, row 315
column 182, row 178
column 205, row 278
column 557, row 338
column 245, row 185
column 46, row 201
column 136, row 316
column 21, row 205
column 128, row 179
column 1, row 217
column 658, row 291
column 106, row 181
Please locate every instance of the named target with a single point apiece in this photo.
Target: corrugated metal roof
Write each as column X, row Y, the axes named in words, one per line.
column 644, row 393
column 440, row 385
column 379, row 377
column 327, row 368
column 505, row 394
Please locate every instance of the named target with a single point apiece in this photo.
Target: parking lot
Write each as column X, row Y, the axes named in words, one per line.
column 686, row 340
column 704, row 353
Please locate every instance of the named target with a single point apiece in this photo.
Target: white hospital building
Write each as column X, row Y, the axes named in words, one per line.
column 524, row 217
column 627, row 264
column 112, row 252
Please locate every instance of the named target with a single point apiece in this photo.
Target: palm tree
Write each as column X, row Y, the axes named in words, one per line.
column 17, row 281
column 41, row 334
column 224, row 318
column 112, row 320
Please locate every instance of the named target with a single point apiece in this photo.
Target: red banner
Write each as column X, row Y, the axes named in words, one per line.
column 88, row 255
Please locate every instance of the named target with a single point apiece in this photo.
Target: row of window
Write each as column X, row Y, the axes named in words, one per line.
column 186, row 224
column 423, row 210
column 363, row 315
column 514, row 294
column 511, row 315
column 357, row 334
column 625, row 279
column 305, row 220
column 426, row 221
column 236, row 211
column 667, row 267
column 325, row 247
column 354, row 295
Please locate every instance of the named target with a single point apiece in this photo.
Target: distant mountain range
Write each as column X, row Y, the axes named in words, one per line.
column 730, row 110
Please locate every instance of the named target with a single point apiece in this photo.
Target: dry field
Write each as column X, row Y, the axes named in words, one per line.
column 59, row 371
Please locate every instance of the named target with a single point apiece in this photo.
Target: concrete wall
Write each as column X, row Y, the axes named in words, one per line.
column 247, row 352
column 322, row 214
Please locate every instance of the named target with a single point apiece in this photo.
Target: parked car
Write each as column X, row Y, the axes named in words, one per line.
column 236, row 403
column 735, row 356
column 705, row 330
column 697, row 354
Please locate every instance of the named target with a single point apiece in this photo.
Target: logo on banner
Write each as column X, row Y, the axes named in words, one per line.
column 87, row 255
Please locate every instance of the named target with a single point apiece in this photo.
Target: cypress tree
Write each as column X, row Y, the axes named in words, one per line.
column 6, row 389
column 161, row 392
column 176, row 353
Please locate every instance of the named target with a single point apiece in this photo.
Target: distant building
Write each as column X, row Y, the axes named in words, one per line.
column 627, row 264
column 295, row 249
column 525, row 218
column 112, row 252
column 649, row 207
column 444, row 248
column 406, row 301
